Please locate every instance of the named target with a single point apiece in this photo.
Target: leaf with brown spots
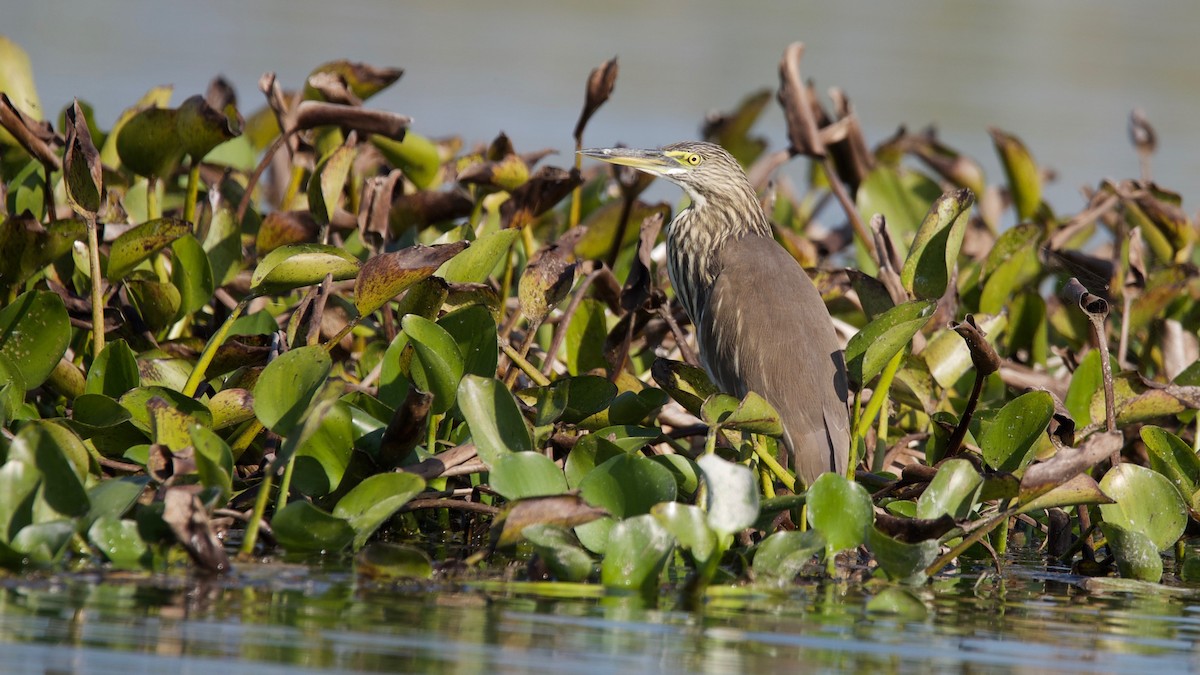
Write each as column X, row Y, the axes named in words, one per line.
column 141, row 242
column 385, row 276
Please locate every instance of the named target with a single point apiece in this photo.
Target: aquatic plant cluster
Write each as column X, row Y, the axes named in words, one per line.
column 313, row 330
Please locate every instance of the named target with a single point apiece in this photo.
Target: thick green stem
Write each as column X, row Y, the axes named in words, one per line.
column 577, row 193
column 153, row 210
column 862, row 424
column 788, row 480
column 97, row 290
column 193, row 191
column 260, row 506
column 285, row 485
column 210, row 349
column 526, row 367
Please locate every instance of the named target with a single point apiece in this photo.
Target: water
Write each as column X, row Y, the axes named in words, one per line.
column 1063, row 75
column 282, row 619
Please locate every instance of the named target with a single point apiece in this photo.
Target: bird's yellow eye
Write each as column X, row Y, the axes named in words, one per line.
column 693, row 159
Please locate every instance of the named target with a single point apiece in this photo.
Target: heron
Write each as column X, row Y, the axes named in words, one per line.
column 760, row 323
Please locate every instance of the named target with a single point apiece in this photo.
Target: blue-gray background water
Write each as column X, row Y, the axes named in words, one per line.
column 1063, row 76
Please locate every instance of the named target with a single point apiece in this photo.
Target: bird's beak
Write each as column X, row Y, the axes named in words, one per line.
column 650, row 161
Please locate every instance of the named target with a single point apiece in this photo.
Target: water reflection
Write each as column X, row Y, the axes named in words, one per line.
column 293, row 619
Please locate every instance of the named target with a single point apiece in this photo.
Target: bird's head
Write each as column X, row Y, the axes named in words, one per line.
column 705, row 170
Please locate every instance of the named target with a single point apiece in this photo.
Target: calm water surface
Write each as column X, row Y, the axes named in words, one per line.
column 278, row 619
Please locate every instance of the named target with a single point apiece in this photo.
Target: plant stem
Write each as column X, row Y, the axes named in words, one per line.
column 960, row 432
column 525, row 366
column 260, row 506
column 153, row 210
column 843, row 197
column 210, row 349
column 878, row 398
column 577, row 193
column 193, row 190
column 97, row 291
column 285, row 485
column 788, row 480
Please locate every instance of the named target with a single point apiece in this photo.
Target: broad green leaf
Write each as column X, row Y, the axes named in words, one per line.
column 156, row 97
column 1011, row 265
column 752, row 414
column 732, row 497
column 688, row 524
column 118, row 540
column 560, row 551
column 323, row 457
column 114, row 497
column 149, row 143
column 201, row 127
column 158, row 303
column 475, row 265
column 374, row 500
column 438, row 366
column 585, row 338
column 629, row 437
column 1173, row 458
column 34, row 333
column 16, row 81
column 387, row 275
column 902, row 196
column 60, row 459
column 902, row 561
column 527, row 474
column 954, row 491
column 19, row 480
column 223, row 244
column 688, row 385
column 898, row 601
column 301, row 528
column 589, row 452
column 602, row 224
column 1137, row 555
column 633, row 407
column 170, row 426
column 25, row 250
column 137, row 402
column 636, row 554
column 313, row 420
column 299, row 265
column 387, row 561
column 497, row 427
column 416, row 156
column 571, row 399
column 287, row 385
column 1146, row 503
column 872, row 347
column 1085, row 382
column 934, row 251
column 192, row 274
column 214, row 460
column 840, row 510
column 474, row 329
column 784, row 554
column 114, row 371
column 44, row 543
column 1008, row 442
column 1024, row 177
column 626, row 485
column 328, row 181
column 141, row 242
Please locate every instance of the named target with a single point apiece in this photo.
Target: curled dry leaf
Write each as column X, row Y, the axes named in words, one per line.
column 36, row 137
column 310, row 114
column 542, row 192
column 187, row 518
column 545, row 282
column 568, row 510
column 385, row 276
column 983, row 356
column 84, row 174
column 600, row 85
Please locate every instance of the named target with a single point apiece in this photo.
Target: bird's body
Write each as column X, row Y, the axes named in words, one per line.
column 760, row 323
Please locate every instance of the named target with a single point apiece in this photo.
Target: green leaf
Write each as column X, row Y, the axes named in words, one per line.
column 1008, row 442
column 192, row 274
column 497, row 427
column 902, row 561
column 753, row 415
column 200, row 127
column 732, row 497
column 438, row 366
column 637, row 552
column 954, row 491
column 374, row 500
column 1173, row 457
column 688, row 524
column 585, row 338
column 156, row 97
column 416, row 156
column 897, row 601
column 141, row 242
column 328, row 181
column 26, row 250
column 16, row 81
column 214, row 460
column 1011, row 265
column 61, row 459
column 1024, row 177
column 1146, row 503
column 474, row 329
column 1137, row 555
column 299, row 265
column 387, row 275
column 934, row 251
column 626, row 485
column 118, row 540
column 570, row 399
column 387, row 561
column 784, row 554
column 1085, row 382
column 475, row 265
column 558, row 549
column 114, row 371
column 840, row 510
column 287, row 385
column 302, row 527
column 902, row 196
column 589, row 452
column 114, row 497
column 34, row 333
column 629, row 437
column 44, row 543
column 872, row 347
column 19, row 480
column 323, row 458
column 687, row 384
column 527, row 474
column 149, row 143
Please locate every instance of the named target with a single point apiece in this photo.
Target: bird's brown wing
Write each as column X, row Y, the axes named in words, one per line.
column 766, row 329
